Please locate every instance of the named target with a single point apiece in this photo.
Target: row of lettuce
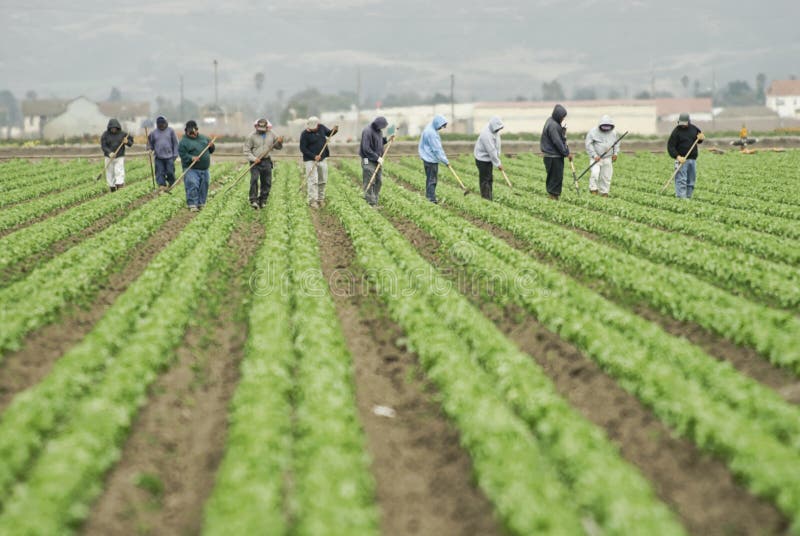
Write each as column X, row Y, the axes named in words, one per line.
column 58, row 438
column 52, row 178
column 724, row 412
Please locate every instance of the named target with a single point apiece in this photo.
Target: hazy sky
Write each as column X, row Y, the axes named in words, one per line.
column 496, row 50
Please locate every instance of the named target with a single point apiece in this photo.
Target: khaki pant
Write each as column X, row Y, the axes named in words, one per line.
column 316, row 181
column 115, row 172
column 600, row 177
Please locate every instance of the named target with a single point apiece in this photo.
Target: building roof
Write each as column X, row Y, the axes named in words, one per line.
column 45, row 107
column 747, row 112
column 124, row 109
column 595, row 103
column 678, row 106
column 782, row 88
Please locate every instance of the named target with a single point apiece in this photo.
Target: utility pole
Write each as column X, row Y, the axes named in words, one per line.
column 652, row 80
column 452, row 100
column 216, row 86
column 183, row 115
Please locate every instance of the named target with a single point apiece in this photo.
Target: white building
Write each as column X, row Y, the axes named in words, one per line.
column 82, row 117
column 783, row 96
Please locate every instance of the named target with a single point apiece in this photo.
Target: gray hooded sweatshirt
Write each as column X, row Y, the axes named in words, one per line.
column 487, row 148
column 598, row 142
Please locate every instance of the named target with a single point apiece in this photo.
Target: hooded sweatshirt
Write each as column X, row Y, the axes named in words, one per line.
column 487, row 148
column 110, row 141
column 257, row 143
column 554, row 136
column 164, row 143
column 598, row 142
column 372, row 140
column 430, row 143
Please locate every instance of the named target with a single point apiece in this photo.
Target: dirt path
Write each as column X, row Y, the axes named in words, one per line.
column 745, row 360
column 21, row 369
column 423, row 476
column 700, row 489
column 167, row 467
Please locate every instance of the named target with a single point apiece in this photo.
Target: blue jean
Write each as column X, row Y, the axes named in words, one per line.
column 165, row 171
column 196, row 184
column 685, row 179
column 431, row 177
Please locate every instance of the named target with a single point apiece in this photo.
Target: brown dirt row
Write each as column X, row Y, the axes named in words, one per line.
column 699, row 488
column 21, row 369
column 745, row 360
column 167, row 468
column 423, row 475
column 21, row 269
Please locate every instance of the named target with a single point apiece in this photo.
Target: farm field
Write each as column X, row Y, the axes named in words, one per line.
column 615, row 366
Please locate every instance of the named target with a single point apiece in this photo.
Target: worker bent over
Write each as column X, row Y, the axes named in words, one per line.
column 598, row 142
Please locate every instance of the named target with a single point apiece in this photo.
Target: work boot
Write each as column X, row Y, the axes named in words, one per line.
column 254, row 204
column 113, row 189
column 120, row 186
column 314, row 205
column 593, row 192
column 553, row 197
column 162, row 189
column 604, row 195
column 193, row 208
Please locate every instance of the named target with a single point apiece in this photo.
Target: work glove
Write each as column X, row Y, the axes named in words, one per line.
column 500, row 167
column 380, row 160
column 570, row 157
column 681, row 159
column 701, row 136
column 614, row 158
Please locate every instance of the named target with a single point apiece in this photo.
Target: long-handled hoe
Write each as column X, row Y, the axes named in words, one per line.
column 150, row 158
column 111, row 159
column 505, row 176
column 251, row 166
column 679, row 166
column 185, row 171
column 378, row 167
column 453, row 171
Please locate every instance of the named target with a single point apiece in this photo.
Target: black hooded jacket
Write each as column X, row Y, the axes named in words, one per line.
column 109, row 141
column 681, row 139
column 372, row 141
column 554, row 138
column 311, row 143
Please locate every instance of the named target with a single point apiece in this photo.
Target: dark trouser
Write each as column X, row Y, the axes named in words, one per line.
column 260, row 174
column 165, row 171
column 367, row 169
column 555, row 174
column 485, row 178
column 431, row 178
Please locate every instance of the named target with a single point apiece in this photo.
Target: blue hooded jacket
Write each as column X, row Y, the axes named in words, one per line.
column 430, row 144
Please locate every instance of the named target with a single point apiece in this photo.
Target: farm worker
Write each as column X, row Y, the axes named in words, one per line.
column 164, row 144
column 312, row 140
column 371, row 153
column 554, row 148
column 112, row 139
column 598, row 141
column 431, row 152
column 195, row 179
column 487, row 155
column 680, row 141
column 255, row 147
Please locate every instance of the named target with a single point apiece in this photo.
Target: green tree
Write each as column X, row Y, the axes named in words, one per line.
column 552, row 90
